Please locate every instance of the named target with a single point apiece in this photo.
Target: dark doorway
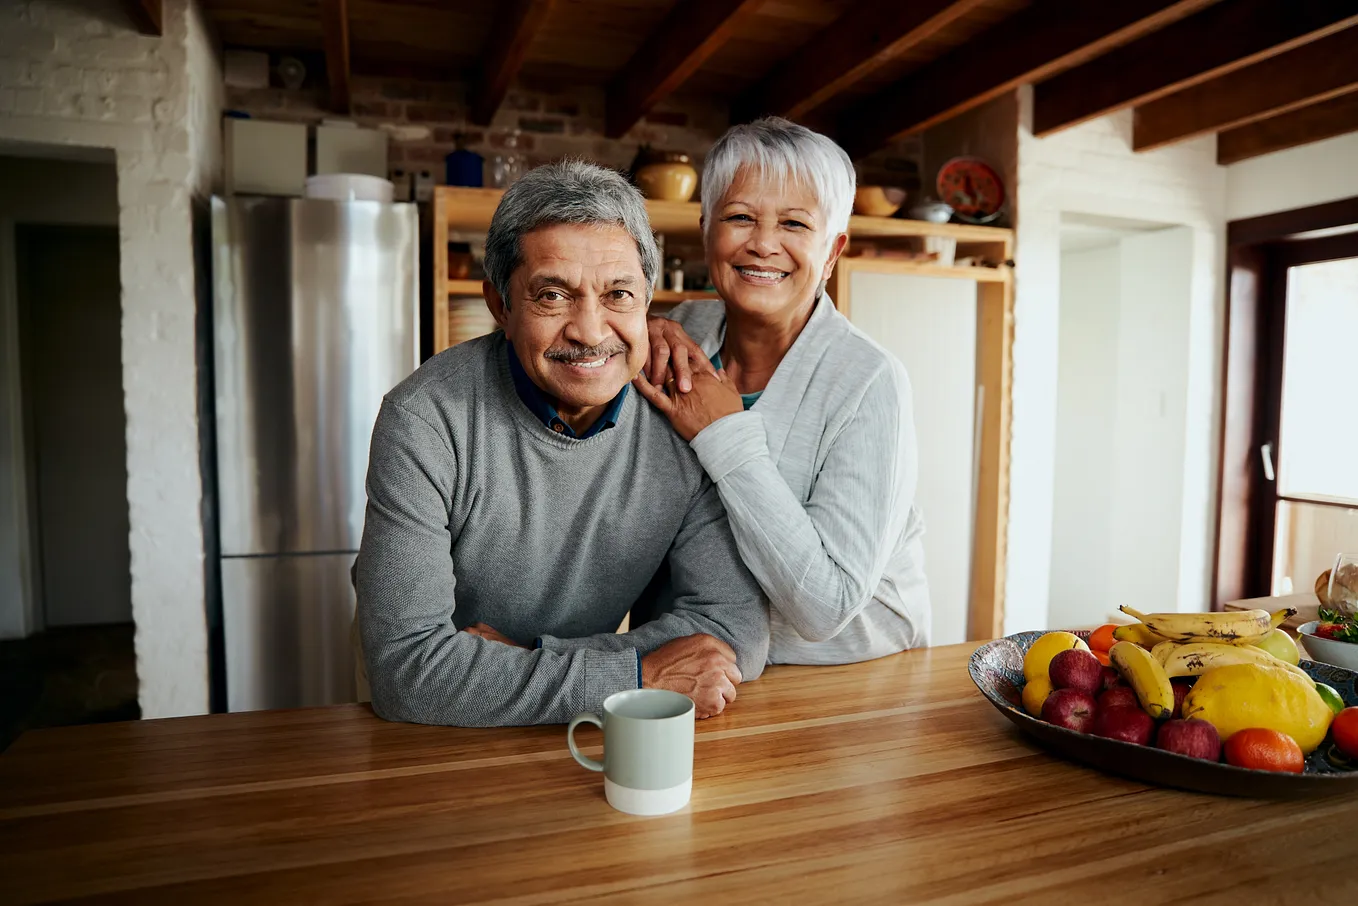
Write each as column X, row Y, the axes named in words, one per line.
column 81, row 666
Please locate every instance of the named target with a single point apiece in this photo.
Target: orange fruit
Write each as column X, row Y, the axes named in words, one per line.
column 1101, row 639
column 1265, row 750
column 1344, row 729
column 1103, row 657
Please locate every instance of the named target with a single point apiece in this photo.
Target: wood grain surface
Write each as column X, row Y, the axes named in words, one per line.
column 891, row 781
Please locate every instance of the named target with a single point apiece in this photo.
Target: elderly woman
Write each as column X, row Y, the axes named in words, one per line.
column 803, row 423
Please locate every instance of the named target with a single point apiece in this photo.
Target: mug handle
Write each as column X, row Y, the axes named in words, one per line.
column 585, row 761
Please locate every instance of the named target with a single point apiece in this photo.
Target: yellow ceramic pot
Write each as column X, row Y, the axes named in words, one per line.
column 877, row 201
column 667, row 180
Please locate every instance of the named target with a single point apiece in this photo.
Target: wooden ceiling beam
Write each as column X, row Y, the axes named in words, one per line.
column 1305, row 75
column 511, row 39
column 335, row 37
column 863, row 40
column 147, row 15
column 1327, row 119
column 1222, row 38
column 1034, row 44
column 690, row 34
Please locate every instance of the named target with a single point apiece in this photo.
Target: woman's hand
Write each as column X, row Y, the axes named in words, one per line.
column 713, row 396
column 491, row 635
column 673, row 350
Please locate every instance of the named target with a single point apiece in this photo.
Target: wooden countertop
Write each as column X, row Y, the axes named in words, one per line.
column 892, row 781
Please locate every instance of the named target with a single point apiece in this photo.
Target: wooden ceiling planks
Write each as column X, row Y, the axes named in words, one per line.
column 1303, row 126
column 1226, row 36
column 147, row 15
column 862, row 41
column 505, row 54
column 679, row 46
column 1034, row 44
column 335, row 36
column 868, row 71
column 1305, row 75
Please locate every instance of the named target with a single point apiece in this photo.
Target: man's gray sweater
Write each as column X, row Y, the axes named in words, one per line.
column 477, row 512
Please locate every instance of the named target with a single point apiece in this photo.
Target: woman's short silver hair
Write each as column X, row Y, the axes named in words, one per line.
column 782, row 150
column 569, row 191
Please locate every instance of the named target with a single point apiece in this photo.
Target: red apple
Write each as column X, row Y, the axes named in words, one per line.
column 1194, row 738
column 1069, row 708
column 1076, row 668
column 1181, row 689
column 1119, row 697
column 1111, row 678
column 1126, row 724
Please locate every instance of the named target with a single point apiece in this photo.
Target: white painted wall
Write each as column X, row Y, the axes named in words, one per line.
column 42, row 192
column 1150, row 466
column 76, row 74
column 1296, row 178
column 1082, row 506
column 930, row 325
column 1092, row 170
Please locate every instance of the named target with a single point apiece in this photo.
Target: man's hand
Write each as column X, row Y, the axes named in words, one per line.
column 490, row 635
column 699, row 666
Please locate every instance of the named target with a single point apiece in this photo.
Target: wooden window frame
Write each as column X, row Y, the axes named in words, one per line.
column 1259, row 252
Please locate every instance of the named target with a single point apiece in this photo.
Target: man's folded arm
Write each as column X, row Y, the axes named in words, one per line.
column 710, row 591
column 420, row 667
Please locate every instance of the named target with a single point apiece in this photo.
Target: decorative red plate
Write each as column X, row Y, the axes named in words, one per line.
column 972, row 187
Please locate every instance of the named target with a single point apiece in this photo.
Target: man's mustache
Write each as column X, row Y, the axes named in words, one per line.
column 585, row 353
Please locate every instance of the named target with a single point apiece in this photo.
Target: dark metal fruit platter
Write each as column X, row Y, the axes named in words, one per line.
column 997, row 669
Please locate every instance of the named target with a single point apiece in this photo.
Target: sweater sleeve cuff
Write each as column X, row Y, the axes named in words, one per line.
column 607, row 672
column 729, row 443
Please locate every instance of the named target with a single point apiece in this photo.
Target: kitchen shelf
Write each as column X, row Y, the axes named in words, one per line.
column 927, row 269
column 463, row 288
column 463, row 210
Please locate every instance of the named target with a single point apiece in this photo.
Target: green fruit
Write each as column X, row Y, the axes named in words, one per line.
column 1279, row 644
column 1330, row 696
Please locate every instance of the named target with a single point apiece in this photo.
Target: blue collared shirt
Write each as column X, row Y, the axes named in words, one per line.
column 546, row 413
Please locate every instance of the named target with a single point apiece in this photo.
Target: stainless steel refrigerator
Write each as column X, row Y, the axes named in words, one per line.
column 315, row 315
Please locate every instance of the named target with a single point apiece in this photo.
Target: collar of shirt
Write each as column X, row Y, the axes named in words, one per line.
column 546, row 413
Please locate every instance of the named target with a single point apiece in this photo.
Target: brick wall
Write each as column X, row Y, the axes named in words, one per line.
column 1092, row 170
column 75, row 73
column 423, row 120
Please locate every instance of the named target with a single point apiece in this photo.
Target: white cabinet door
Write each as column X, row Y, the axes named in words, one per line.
column 929, row 323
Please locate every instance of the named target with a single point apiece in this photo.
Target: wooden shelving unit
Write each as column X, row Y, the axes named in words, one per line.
column 462, row 210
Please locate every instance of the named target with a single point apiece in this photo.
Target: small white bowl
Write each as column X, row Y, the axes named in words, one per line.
column 1340, row 654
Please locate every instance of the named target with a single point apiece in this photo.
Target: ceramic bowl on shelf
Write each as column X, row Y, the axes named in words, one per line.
column 1328, row 651
column 667, row 176
column 877, row 201
column 932, row 211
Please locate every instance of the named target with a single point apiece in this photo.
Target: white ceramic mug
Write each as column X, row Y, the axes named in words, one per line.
column 648, row 750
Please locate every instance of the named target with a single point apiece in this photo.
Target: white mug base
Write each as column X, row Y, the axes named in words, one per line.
column 648, row 802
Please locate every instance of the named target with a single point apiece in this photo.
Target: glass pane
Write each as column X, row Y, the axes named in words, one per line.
column 1306, row 541
column 1319, row 433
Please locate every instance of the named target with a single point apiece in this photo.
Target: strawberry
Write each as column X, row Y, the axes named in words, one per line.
column 1329, row 630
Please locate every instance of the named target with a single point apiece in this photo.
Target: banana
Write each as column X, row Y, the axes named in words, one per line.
column 1146, row 677
column 1196, row 658
column 1237, row 627
column 1139, row 633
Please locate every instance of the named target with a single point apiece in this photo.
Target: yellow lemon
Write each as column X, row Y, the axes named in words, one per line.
column 1039, row 656
column 1035, row 693
column 1242, row 696
column 1279, row 644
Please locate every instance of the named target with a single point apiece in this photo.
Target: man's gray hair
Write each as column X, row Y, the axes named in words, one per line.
column 779, row 149
column 569, row 191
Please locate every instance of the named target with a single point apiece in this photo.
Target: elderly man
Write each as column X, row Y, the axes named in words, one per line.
column 513, row 487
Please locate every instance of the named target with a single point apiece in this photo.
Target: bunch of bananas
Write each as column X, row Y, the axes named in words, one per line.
column 1165, row 645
